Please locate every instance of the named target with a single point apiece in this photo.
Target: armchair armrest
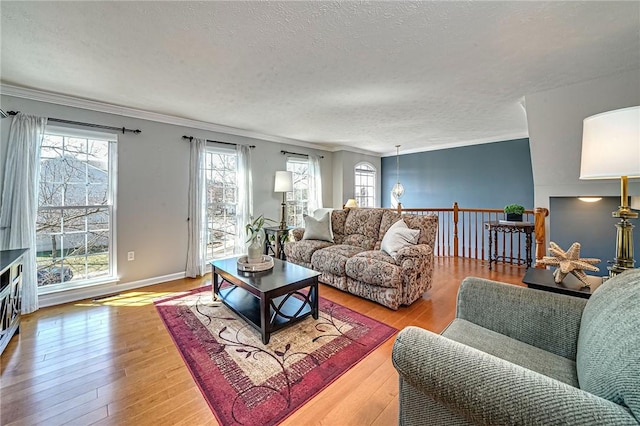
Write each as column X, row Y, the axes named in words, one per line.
column 546, row 320
column 417, row 250
column 488, row 390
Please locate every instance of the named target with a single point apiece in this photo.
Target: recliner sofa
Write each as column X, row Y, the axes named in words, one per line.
column 353, row 262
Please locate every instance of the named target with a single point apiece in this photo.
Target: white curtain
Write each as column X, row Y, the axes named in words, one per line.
column 197, row 211
column 19, row 207
column 315, row 184
column 244, row 210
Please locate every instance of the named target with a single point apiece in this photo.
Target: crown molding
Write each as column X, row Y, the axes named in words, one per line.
column 70, row 101
column 337, row 148
column 458, row 144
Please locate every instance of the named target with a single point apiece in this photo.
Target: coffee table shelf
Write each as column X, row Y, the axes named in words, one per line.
column 247, row 306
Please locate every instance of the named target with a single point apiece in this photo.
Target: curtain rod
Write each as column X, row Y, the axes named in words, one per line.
column 295, row 153
column 190, row 138
column 79, row 123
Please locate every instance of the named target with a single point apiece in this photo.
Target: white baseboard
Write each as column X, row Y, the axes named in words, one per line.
column 73, row 295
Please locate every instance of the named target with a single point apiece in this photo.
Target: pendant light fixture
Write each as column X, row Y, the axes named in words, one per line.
column 398, row 190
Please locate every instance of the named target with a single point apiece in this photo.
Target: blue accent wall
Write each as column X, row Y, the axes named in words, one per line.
column 479, row 176
column 590, row 224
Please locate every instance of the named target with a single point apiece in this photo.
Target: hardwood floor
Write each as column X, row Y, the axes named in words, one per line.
column 111, row 361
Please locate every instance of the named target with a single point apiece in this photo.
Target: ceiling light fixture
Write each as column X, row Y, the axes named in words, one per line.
column 398, row 190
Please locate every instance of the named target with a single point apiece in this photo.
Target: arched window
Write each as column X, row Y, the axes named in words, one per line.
column 365, row 185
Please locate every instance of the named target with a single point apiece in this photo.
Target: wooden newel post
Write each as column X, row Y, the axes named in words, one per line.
column 540, row 230
column 455, row 229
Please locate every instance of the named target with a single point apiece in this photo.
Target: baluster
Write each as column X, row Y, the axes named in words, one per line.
column 455, row 229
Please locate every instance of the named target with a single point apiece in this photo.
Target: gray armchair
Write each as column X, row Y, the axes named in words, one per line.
column 518, row 356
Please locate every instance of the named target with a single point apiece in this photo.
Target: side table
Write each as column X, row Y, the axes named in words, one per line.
column 274, row 243
column 542, row 279
column 493, row 227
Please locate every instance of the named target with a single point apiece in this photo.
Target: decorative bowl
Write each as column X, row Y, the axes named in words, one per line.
column 265, row 264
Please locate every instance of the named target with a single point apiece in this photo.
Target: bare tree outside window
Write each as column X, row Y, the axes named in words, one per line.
column 365, row 185
column 298, row 200
column 222, row 200
column 73, row 227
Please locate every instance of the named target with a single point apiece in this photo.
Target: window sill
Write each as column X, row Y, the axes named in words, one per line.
column 80, row 285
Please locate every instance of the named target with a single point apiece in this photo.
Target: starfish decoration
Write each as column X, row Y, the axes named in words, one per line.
column 569, row 262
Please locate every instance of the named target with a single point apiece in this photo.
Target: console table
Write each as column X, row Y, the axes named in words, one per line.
column 10, row 294
column 493, row 227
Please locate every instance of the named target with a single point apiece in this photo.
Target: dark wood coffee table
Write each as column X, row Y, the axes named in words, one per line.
column 542, row 279
column 268, row 300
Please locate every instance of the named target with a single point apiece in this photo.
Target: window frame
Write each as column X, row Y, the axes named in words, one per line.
column 372, row 175
column 111, row 206
column 297, row 208
column 212, row 149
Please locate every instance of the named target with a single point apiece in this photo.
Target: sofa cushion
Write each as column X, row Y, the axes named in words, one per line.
column 301, row 251
column 338, row 218
column 333, row 259
column 427, row 224
column 374, row 267
column 397, row 237
column 512, row 350
column 362, row 228
column 608, row 353
column 318, row 229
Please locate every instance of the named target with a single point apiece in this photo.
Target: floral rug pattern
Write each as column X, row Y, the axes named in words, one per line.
column 248, row 383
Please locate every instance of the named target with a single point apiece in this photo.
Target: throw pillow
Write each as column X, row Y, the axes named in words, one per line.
column 398, row 236
column 319, row 213
column 318, row 229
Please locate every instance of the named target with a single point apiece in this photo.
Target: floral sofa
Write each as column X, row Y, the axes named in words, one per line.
column 353, row 262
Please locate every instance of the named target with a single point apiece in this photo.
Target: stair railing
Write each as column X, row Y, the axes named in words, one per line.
column 461, row 232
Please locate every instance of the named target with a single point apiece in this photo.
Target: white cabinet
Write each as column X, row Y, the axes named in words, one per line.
column 10, row 294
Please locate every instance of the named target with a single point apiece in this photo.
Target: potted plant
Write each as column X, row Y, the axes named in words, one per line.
column 255, row 231
column 514, row 212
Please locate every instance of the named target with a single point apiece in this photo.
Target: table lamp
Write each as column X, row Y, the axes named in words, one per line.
column 284, row 184
column 611, row 150
column 351, row 204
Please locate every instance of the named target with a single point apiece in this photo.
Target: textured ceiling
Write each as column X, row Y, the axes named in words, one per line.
column 362, row 75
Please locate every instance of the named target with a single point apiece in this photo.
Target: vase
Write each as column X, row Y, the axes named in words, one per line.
column 515, row 217
column 254, row 251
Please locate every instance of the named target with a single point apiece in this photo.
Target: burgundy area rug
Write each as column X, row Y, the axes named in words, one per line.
column 248, row 383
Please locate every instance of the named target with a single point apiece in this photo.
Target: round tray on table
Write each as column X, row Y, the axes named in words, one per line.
column 265, row 264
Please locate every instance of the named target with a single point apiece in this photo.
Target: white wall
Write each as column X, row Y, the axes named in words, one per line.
column 344, row 163
column 555, row 133
column 153, row 183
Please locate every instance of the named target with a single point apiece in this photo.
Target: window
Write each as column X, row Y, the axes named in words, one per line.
column 365, row 188
column 74, row 229
column 298, row 200
column 222, row 200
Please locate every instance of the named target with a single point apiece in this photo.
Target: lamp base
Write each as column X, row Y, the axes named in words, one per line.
column 283, row 212
column 624, row 244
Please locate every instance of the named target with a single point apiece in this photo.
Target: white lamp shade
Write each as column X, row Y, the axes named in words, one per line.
column 351, row 204
column 611, row 145
column 284, row 182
